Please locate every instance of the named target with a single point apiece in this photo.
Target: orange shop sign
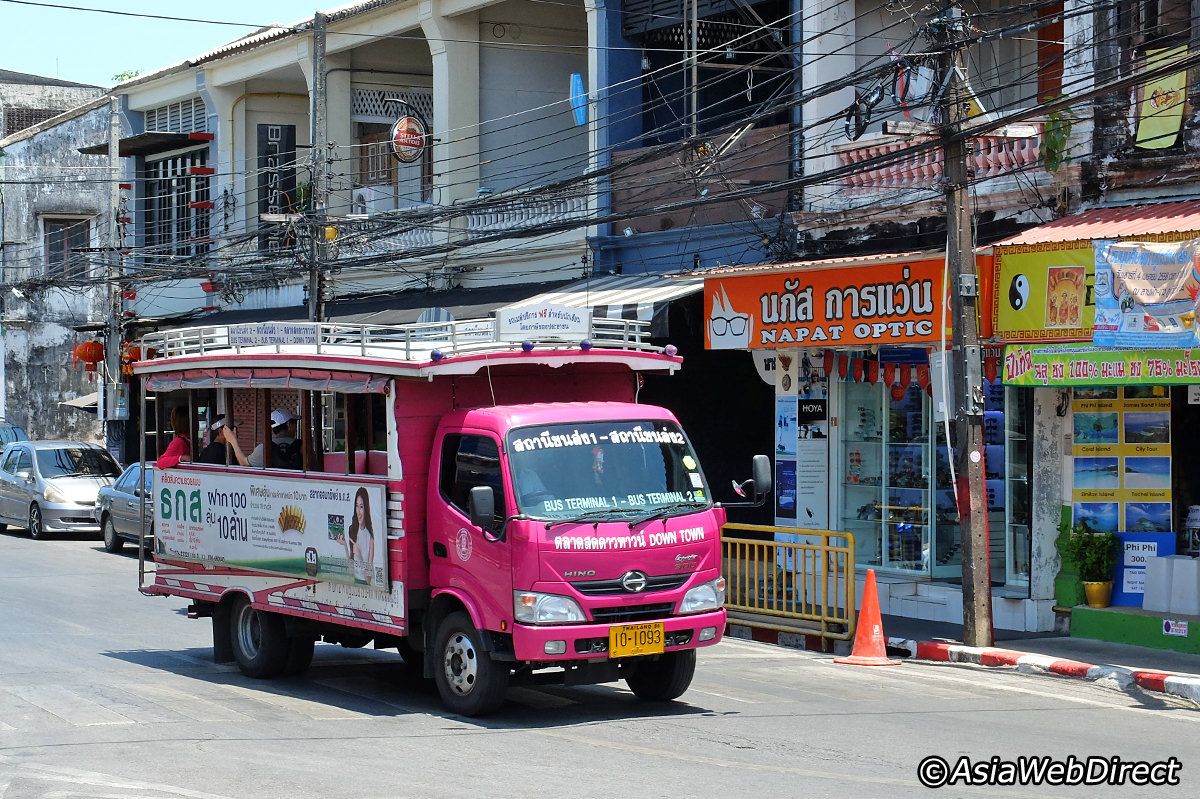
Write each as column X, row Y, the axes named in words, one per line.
column 898, row 302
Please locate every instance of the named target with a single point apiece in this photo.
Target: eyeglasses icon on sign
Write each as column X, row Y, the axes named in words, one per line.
column 728, row 325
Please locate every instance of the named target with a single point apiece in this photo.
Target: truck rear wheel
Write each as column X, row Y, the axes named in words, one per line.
column 300, row 654
column 259, row 640
column 664, row 679
column 469, row 681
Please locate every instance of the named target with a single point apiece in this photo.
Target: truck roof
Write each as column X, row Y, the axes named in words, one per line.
column 423, row 350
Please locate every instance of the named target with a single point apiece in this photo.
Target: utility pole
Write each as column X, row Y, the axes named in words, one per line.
column 695, row 77
column 111, row 372
column 968, row 401
column 320, row 176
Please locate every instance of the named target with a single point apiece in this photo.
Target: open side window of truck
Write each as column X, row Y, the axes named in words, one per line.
column 470, row 460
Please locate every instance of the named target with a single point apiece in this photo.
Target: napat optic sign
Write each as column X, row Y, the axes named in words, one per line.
column 544, row 321
column 863, row 305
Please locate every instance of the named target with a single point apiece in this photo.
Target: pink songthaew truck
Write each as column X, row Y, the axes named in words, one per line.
column 486, row 496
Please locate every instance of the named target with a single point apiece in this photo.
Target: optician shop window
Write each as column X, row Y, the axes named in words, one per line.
column 897, row 486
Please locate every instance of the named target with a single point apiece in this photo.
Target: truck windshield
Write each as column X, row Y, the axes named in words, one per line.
column 605, row 470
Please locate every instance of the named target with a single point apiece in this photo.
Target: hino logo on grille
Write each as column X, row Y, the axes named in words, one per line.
column 634, row 582
column 580, row 573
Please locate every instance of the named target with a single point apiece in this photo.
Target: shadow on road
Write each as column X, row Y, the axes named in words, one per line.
column 376, row 683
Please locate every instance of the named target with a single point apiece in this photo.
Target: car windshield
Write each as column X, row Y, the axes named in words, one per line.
column 75, row 462
column 605, row 470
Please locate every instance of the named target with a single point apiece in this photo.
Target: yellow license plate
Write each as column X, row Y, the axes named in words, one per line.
column 630, row 640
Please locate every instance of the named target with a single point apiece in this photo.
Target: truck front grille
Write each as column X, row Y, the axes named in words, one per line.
column 663, row 582
column 630, row 613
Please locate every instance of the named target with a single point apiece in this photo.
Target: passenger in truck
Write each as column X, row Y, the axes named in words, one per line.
column 180, row 449
column 285, row 451
column 221, row 436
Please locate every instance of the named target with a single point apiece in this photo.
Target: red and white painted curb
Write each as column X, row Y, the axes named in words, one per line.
column 1186, row 686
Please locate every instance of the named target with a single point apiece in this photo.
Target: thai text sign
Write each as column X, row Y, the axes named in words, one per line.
column 545, row 321
column 272, row 334
column 1043, row 292
column 864, row 305
column 318, row 529
column 1084, row 365
column 1146, row 294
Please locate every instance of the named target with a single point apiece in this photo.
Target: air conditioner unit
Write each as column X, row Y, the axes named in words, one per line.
column 372, row 200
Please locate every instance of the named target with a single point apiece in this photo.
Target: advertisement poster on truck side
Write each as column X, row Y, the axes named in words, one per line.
column 323, row 530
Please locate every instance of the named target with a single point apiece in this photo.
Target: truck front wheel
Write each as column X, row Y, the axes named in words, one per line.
column 664, row 679
column 260, row 642
column 470, row 682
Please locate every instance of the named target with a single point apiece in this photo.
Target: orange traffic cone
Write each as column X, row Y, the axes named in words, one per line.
column 870, row 647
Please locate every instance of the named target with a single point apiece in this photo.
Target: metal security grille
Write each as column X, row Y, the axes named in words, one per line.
column 370, row 105
column 186, row 116
column 177, row 217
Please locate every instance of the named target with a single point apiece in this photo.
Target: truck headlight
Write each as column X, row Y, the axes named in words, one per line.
column 706, row 596
column 52, row 494
column 530, row 607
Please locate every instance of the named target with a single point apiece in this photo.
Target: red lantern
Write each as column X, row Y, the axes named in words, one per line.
column 90, row 353
column 923, row 376
column 859, row 366
column 873, row 371
column 991, row 368
column 889, row 374
column 843, row 365
column 827, row 363
column 898, row 393
column 130, row 354
column 905, row 375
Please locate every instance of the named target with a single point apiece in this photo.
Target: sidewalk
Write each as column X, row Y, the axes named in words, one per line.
column 1119, row 666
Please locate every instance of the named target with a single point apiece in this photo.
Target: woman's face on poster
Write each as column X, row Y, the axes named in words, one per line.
column 360, row 510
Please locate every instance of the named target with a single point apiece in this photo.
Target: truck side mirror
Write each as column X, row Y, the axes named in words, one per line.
column 481, row 506
column 760, row 468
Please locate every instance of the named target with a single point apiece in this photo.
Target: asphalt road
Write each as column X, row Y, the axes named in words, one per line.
column 106, row 693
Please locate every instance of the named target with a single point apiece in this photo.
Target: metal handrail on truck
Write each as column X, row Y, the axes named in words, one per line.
column 402, row 342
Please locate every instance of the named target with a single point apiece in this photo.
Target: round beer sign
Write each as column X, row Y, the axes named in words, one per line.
column 408, row 139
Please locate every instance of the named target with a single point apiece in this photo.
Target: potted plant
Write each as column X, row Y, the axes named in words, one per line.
column 1095, row 556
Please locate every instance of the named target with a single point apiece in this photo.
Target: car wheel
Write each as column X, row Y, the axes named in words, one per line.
column 260, row 643
column 35, row 522
column 112, row 541
column 469, row 681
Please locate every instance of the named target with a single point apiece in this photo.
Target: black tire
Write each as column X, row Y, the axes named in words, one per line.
column 259, row 640
column 469, row 681
column 36, row 530
column 664, row 679
column 300, row 654
column 414, row 661
column 112, row 542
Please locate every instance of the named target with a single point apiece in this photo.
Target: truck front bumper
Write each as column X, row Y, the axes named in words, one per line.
column 590, row 641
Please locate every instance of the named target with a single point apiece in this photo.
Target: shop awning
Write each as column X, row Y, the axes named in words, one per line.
column 149, row 143
column 398, row 308
column 632, row 297
column 1122, row 222
column 88, row 402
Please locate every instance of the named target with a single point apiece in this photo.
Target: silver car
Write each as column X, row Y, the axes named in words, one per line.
column 51, row 486
column 117, row 508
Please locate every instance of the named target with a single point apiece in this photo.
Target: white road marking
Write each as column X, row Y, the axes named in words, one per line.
column 318, row 711
column 186, row 704
column 140, row 790
column 67, row 705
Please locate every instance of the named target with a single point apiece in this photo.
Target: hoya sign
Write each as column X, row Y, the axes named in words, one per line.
column 543, row 321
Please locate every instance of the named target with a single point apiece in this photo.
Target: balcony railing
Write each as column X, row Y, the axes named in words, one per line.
column 527, row 211
column 991, row 157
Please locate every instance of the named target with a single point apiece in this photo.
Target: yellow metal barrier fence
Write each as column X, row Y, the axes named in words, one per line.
column 802, row 585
